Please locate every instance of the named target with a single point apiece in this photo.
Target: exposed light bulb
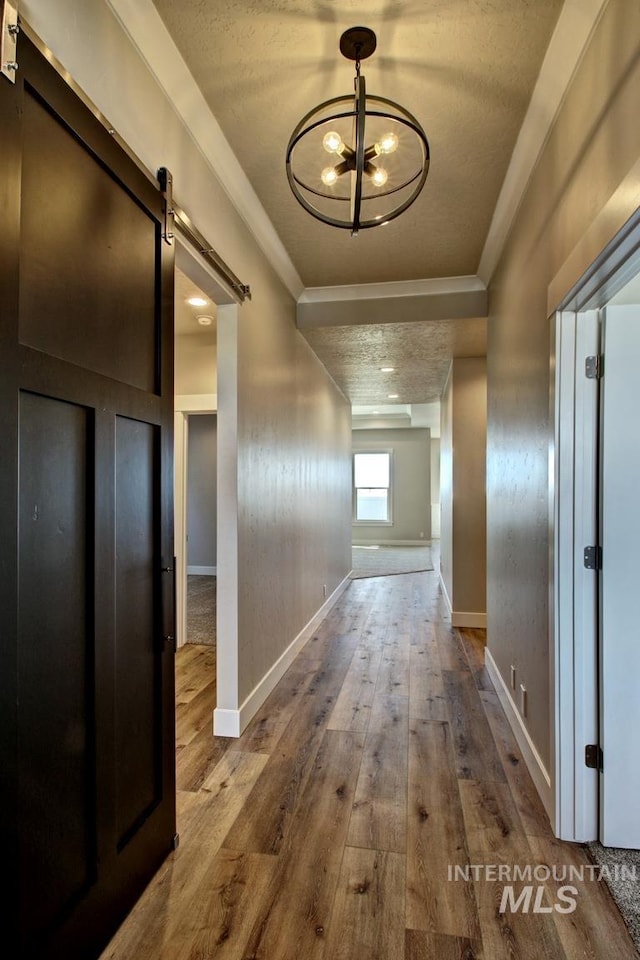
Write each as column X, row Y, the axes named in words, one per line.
column 197, row 301
column 380, row 177
column 329, row 176
column 387, row 144
column 332, row 142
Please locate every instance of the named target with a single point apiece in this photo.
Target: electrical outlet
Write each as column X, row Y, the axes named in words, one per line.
column 513, row 677
column 324, row 589
column 523, row 700
column 422, row 534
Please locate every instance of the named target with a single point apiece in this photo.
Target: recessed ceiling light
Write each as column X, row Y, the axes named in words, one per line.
column 393, row 396
column 205, row 321
column 387, row 369
column 197, row 301
column 375, row 412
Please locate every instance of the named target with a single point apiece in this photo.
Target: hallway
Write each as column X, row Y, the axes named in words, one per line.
column 382, row 758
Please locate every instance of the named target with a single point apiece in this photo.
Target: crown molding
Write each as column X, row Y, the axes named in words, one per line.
column 568, row 43
column 396, row 288
column 144, row 26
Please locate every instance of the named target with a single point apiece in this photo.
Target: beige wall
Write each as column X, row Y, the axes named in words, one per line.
column 594, row 145
column 202, row 499
column 196, row 365
column 435, row 488
column 410, row 485
column 294, row 483
column 446, row 487
column 293, row 439
column 462, row 492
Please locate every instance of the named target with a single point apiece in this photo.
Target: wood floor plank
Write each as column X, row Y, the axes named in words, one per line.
column 324, row 644
column 393, row 676
column 437, row 946
column 203, row 820
column 379, row 817
column 595, row 929
column 473, row 643
column 264, row 731
column 193, row 716
column 473, row 743
column 436, row 837
column 353, row 706
column 262, row 825
column 195, row 669
column 296, row 921
column 426, row 690
column 221, row 915
column 531, row 811
column 450, row 649
column 492, row 824
column 514, row 934
column 368, row 916
column 196, row 760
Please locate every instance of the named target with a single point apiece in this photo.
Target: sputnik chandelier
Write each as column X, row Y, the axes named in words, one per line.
column 357, row 161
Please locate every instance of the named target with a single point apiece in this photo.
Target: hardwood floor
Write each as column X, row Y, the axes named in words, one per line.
column 326, row 832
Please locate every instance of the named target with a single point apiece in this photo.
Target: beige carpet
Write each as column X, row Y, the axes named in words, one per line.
column 201, row 609
column 387, row 561
column 625, row 892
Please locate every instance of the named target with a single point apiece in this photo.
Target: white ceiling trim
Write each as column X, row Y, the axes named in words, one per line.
column 145, row 27
column 394, row 288
column 570, row 38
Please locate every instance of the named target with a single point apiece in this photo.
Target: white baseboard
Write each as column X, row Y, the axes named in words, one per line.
column 231, row 723
column 202, row 571
column 443, row 587
column 226, row 723
column 391, row 543
column 461, row 619
column 533, row 760
column 458, row 617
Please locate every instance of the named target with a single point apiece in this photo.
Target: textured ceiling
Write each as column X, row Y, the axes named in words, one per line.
column 420, row 353
column 465, row 68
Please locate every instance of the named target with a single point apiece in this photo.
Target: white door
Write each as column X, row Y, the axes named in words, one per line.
column 620, row 580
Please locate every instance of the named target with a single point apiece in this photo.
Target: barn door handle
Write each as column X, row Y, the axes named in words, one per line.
column 168, row 568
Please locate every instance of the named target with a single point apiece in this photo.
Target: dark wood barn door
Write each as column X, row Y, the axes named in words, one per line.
column 86, row 399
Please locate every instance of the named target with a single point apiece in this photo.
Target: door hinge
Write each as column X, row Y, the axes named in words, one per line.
column 593, row 558
column 593, row 367
column 8, row 40
column 593, row 756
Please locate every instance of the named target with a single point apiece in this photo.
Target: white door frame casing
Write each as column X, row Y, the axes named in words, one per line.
column 574, row 602
column 606, row 257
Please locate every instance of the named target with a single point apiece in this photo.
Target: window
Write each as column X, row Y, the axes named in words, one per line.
column 372, row 485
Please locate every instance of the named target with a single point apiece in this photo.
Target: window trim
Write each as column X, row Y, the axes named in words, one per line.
column 372, row 523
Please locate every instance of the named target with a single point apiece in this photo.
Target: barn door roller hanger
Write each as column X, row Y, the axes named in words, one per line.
column 8, row 40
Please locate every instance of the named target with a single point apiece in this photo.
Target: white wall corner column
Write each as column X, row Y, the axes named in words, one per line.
column 226, row 717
